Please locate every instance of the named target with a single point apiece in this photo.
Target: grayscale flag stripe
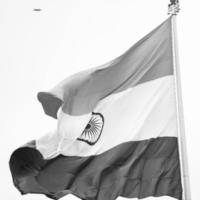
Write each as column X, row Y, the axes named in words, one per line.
column 132, row 169
column 145, row 111
column 148, row 59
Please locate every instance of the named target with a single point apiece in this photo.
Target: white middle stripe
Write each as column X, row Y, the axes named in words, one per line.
column 142, row 112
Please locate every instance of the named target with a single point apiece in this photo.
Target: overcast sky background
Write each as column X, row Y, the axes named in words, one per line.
column 39, row 49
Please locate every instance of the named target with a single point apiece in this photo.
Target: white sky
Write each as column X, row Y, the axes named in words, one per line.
column 38, row 49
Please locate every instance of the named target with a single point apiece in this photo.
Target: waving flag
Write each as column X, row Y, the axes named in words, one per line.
column 116, row 133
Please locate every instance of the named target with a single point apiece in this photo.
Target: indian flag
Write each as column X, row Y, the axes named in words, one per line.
column 116, row 131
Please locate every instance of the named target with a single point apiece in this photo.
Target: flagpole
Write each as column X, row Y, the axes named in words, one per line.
column 173, row 9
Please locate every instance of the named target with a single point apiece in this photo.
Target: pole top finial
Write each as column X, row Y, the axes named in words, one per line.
column 173, row 7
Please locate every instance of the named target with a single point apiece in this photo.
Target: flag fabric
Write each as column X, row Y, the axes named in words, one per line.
column 116, row 133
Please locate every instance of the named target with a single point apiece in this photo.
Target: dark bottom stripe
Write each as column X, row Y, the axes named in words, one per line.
column 133, row 169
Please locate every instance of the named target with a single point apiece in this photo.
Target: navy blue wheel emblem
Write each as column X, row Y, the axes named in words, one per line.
column 93, row 130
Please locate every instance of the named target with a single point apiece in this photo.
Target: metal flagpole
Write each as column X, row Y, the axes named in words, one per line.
column 173, row 9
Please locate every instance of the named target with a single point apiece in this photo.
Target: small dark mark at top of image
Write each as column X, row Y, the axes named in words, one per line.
column 37, row 9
